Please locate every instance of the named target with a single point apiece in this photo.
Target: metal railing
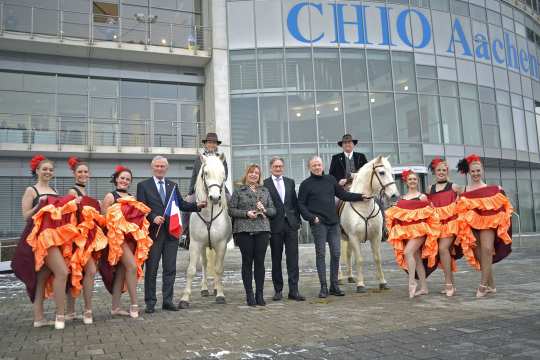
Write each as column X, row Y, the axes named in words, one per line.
column 96, row 28
column 61, row 130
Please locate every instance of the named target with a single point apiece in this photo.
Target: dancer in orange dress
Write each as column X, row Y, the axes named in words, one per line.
column 42, row 257
column 92, row 241
column 413, row 229
column 443, row 195
column 129, row 242
column 485, row 223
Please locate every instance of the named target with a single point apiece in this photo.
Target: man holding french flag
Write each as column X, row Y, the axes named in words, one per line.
column 163, row 197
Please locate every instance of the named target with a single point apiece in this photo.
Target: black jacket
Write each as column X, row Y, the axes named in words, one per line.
column 285, row 213
column 316, row 198
column 148, row 194
column 337, row 166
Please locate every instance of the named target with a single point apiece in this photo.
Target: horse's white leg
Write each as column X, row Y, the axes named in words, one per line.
column 349, row 259
column 194, row 254
column 204, row 281
column 343, row 257
column 354, row 243
column 375, row 243
column 220, row 249
column 210, row 270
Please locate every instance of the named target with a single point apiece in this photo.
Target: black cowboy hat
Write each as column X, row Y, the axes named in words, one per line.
column 347, row 137
column 211, row 137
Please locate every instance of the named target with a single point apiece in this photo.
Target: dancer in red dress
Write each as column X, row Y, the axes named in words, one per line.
column 44, row 252
column 92, row 241
column 129, row 242
column 485, row 223
column 413, row 230
column 443, row 195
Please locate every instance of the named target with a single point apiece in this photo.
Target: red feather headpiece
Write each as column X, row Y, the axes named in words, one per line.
column 405, row 174
column 73, row 162
column 36, row 160
column 472, row 158
column 435, row 162
column 119, row 168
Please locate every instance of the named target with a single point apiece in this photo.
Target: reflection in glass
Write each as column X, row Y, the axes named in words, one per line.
column 403, row 64
column 353, row 62
column 450, row 121
column 379, row 70
column 271, row 68
column 244, row 120
column 470, row 114
column 520, row 129
column 532, row 134
column 330, row 116
column 327, row 73
column 299, row 69
column 384, row 119
column 490, row 126
column 242, row 70
column 274, row 125
column 357, row 115
column 410, row 153
column 302, row 117
column 430, row 118
column 408, row 118
column 506, row 127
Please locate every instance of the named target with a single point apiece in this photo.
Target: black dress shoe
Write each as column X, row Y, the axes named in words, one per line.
column 150, row 310
column 278, row 296
column 169, row 307
column 324, row 292
column 336, row 291
column 296, row 297
column 259, row 298
column 250, row 299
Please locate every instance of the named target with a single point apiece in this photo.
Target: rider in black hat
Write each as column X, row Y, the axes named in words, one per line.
column 347, row 162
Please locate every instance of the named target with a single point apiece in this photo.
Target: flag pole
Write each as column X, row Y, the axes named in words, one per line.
column 165, row 211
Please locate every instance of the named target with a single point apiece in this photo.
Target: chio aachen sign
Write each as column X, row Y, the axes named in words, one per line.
column 503, row 51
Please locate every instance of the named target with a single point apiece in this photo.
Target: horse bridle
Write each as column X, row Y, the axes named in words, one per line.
column 207, row 188
column 376, row 209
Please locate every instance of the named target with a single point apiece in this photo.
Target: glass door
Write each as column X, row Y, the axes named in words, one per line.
column 165, row 123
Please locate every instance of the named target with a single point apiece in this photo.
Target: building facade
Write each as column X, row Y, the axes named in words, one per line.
column 120, row 81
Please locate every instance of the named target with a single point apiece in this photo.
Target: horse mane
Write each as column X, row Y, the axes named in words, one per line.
column 213, row 162
column 358, row 185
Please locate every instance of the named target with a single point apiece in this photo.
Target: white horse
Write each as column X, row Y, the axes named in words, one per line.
column 362, row 220
column 211, row 228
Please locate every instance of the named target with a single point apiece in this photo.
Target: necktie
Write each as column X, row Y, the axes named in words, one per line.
column 161, row 191
column 281, row 189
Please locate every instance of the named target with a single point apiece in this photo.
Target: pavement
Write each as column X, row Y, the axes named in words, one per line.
column 374, row 325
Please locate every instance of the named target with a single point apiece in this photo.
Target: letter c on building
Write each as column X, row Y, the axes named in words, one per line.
column 292, row 21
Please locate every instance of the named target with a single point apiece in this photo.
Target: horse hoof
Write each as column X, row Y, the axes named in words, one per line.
column 341, row 282
column 361, row 289
column 220, row 300
column 205, row 293
column 183, row 305
column 351, row 280
column 384, row 287
column 215, row 292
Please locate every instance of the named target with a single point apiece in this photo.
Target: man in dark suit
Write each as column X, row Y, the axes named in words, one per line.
column 155, row 193
column 347, row 162
column 284, row 229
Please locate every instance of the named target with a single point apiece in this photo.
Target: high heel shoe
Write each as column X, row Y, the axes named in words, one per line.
column 119, row 312
column 134, row 311
column 87, row 317
column 481, row 293
column 491, row 290
column 60, row 322
column 450, row 290
column 71, row 316
column 42, row 323
column 412, row 289
column 422, row 292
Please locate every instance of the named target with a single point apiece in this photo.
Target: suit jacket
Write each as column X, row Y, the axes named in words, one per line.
column 337, row 166
column 288, row 212
column 148, row 194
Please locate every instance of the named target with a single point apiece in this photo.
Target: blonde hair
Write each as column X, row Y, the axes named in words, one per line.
column 249, row 169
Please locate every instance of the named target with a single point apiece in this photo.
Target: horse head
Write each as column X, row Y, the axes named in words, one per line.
column 375, row 177
column 212, row 177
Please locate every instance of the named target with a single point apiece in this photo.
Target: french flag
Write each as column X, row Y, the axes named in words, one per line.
column 173, row 212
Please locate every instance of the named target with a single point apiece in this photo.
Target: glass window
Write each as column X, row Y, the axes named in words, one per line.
column 450, row 121
column 525, row 196
column 103, row 88
column 327, row 75
column 506, row 127
column 515, row 82
column 72, row 105
column 243, row 71
column 190, row 92
column 410, row 153
column 244, row 156
column 448, row 88
column 503, row 97
column 460, row 8
column 103, row 108
column 408, row 118
column 37, row 103
column 494, row 18
column 467, row 91
column 478, row 13
column 383, row 115
column 536, row 194
column 379, row 70
column 472, row 134
column 274, row 124
column 271, row 68
column 426, row 71
column 404, row 79
column 427, row 86
column 302, row 117
column 431, row 119
column 490, row 127
column 353, row 62
column 41, row 83
column 11, row 81
column 439, row 5
column 532, row 134
column 163, row 91
column 299, row 68
column 241, row 24
column 133, row 89
column 72, row 85
column 330, row 116
column 135, row 109
column 357, row 115
column 244, row 120
column 520, row 129
column 486, row 94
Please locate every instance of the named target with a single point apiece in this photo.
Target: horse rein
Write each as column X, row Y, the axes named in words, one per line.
column 208, row 223
column 376, row 175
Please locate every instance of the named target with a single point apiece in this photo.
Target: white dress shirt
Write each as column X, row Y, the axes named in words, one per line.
column 280, row 187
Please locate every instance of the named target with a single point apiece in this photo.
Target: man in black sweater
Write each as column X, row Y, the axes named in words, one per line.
column 317, row 206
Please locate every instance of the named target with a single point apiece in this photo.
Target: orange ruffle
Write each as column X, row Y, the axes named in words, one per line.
column 40, row 240
column 423, row 222
column 469, row 219
column 118, row 227
column 89, row 245
column 448, row 219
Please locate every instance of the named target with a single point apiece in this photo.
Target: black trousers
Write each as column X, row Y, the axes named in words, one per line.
column 165, row 248
column 287, row 239
column 253, row 248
